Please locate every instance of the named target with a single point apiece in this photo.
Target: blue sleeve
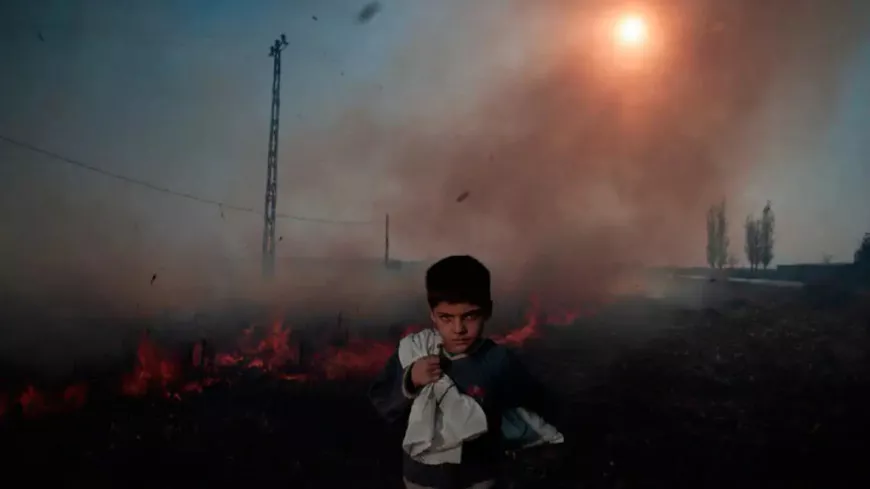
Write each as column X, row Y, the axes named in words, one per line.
column 392, row 393
column 522, row 389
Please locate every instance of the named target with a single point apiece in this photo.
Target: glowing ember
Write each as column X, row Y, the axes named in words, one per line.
column 75, row 396
column 295, row 377
column 152, row 370
column 357, row 358
column 228, row 359
column 32, row 402
column 562, row 319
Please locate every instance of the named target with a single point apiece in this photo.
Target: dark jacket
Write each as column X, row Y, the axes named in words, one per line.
column 497, row 379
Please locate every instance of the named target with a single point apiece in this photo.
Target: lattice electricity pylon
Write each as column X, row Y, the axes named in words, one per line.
column 272, row 163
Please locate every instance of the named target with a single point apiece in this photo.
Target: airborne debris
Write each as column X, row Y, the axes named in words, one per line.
column 368, row 12
column 462, row 196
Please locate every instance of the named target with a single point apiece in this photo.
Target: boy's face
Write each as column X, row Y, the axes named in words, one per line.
column 459, row 325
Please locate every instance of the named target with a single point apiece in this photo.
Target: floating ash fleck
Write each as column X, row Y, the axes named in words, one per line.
column 368, row 12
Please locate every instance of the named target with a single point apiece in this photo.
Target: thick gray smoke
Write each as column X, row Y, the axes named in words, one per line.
column 586, row 159
column 532, row 142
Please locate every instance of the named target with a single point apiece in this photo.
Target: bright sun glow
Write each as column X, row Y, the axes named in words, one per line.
column 631, row 31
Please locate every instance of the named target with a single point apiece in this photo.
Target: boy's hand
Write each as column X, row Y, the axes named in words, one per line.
column 426, row 370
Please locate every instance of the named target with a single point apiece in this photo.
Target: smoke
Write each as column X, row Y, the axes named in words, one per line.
column 575, row 160
column 584, row 160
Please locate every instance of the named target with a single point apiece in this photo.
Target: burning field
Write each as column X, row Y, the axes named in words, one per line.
column 745, row 389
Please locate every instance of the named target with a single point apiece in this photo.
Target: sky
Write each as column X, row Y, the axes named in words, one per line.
column 576, row 157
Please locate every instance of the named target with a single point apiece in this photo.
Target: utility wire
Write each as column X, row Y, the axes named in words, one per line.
column 185, row 195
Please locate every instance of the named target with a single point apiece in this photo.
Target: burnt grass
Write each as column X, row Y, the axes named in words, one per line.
column 767, row 392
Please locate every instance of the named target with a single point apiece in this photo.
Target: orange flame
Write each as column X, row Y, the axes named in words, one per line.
column 32, row 402
column 155, row 372
column 357, row 358
column 152, row 369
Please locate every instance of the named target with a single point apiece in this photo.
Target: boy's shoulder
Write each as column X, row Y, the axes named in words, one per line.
column 494, row 353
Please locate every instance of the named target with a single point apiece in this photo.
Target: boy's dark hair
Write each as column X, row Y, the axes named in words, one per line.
column 457, row 279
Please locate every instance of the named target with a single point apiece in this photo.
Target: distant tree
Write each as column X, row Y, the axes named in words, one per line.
column 766, row 230
column 717, row 236
column 722, row 236
column 862, row 257
column 711, row 236
column 752, row 245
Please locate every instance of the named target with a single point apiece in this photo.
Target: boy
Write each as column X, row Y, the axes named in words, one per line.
column 458, row 292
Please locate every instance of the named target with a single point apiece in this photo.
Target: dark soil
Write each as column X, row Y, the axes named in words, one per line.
column 746, row 394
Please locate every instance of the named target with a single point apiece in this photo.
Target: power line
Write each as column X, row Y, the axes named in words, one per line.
column 185, row 195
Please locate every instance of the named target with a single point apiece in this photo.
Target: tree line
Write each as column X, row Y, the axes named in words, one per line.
column 758, row 238
column 862, row 259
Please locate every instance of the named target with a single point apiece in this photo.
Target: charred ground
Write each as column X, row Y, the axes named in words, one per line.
column 747, row 387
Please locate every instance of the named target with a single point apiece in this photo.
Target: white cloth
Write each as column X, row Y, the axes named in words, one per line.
column 442, row 418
